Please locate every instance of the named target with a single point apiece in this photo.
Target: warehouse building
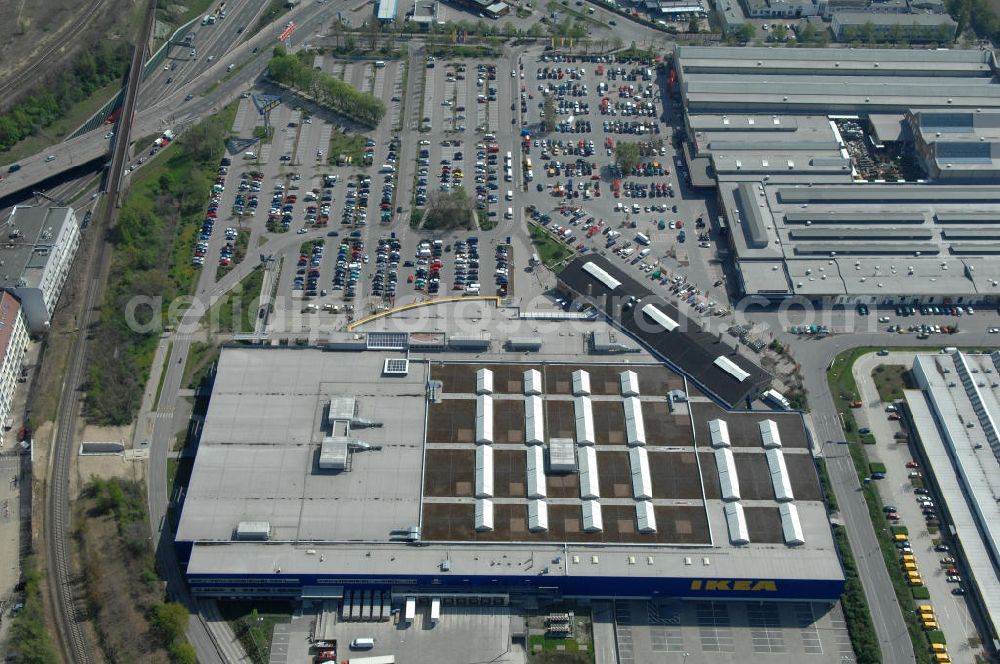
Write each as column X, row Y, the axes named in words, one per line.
column 893, row 26
column 877, row 244
column 954, row 414
column 818, row 81
column 490, row 478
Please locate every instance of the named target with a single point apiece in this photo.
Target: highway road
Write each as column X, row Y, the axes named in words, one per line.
column 173, row 110
column 163, row 106
column 211, row 44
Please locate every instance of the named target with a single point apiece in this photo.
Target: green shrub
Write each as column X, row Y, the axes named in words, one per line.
column 341, row 97
column 106, row 62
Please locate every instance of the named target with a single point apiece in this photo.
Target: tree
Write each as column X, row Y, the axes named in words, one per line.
column 549, row 113
column 694, row 26
column 169, row 620
column 447, row 211
column 867, row 32
column 779, row 32
column 626, row 156
column 745, row 32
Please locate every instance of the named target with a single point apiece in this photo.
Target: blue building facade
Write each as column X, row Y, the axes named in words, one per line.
column 293, row 585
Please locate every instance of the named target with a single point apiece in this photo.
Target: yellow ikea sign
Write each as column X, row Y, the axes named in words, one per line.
column 738, row 585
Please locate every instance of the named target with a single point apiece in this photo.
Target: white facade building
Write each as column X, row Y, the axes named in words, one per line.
column 36, row 256
column 13, row 344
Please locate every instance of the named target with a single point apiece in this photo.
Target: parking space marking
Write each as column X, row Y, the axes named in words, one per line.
column 765, row 627
column 714, row 627
column 623, row 632
column 805, row 620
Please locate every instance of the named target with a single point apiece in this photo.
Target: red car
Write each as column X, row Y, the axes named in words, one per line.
column 893, row 416
column 912, row 464
column 951, row 570
column 892, row 516
column 856, row 404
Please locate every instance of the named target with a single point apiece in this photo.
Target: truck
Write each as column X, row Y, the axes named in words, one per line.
column 642, row 239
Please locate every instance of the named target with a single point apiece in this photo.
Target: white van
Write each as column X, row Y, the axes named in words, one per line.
column 510, row 195
column 249, row 155
column 380, row 63
column 509, row 214
column 387, row 168
column 642, row 239
column 363, row 644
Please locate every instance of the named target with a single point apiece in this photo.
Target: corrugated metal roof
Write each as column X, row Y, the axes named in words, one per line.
column 590, row 486
column 731, row 368
column 484, row 514
column 629, row 383
column 484, row 381
column 532, row 382
column 660, row 318
column 584, row 412
column 719, row 432
column 538, row 515
column 601, row 275
column 770, row 437
column 736, row 523
column 728, row 479
column 484, row 471
column 645, row 516
column 791, row 527
column 642, row 484
column 593, row 520
column 484, row 419
column 534, row 421
column 780, row 480
column 535, row 463
column 635, row 427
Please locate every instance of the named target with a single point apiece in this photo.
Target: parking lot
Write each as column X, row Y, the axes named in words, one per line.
column 914, row 508
column 668, row 630
column 338, row 228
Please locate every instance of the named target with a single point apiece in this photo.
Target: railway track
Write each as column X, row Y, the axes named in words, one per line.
column 41, row 61
column 72, row 639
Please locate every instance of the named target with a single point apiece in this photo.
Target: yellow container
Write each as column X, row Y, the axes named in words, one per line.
column 915, row 580
column 925, row 608
column 908, row 558
column 910, row 567
column 901, row 538
column 930, row 625
column 942, row 658
column 938, row 648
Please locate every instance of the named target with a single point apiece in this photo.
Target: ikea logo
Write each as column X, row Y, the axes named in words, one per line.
column 740, row 585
